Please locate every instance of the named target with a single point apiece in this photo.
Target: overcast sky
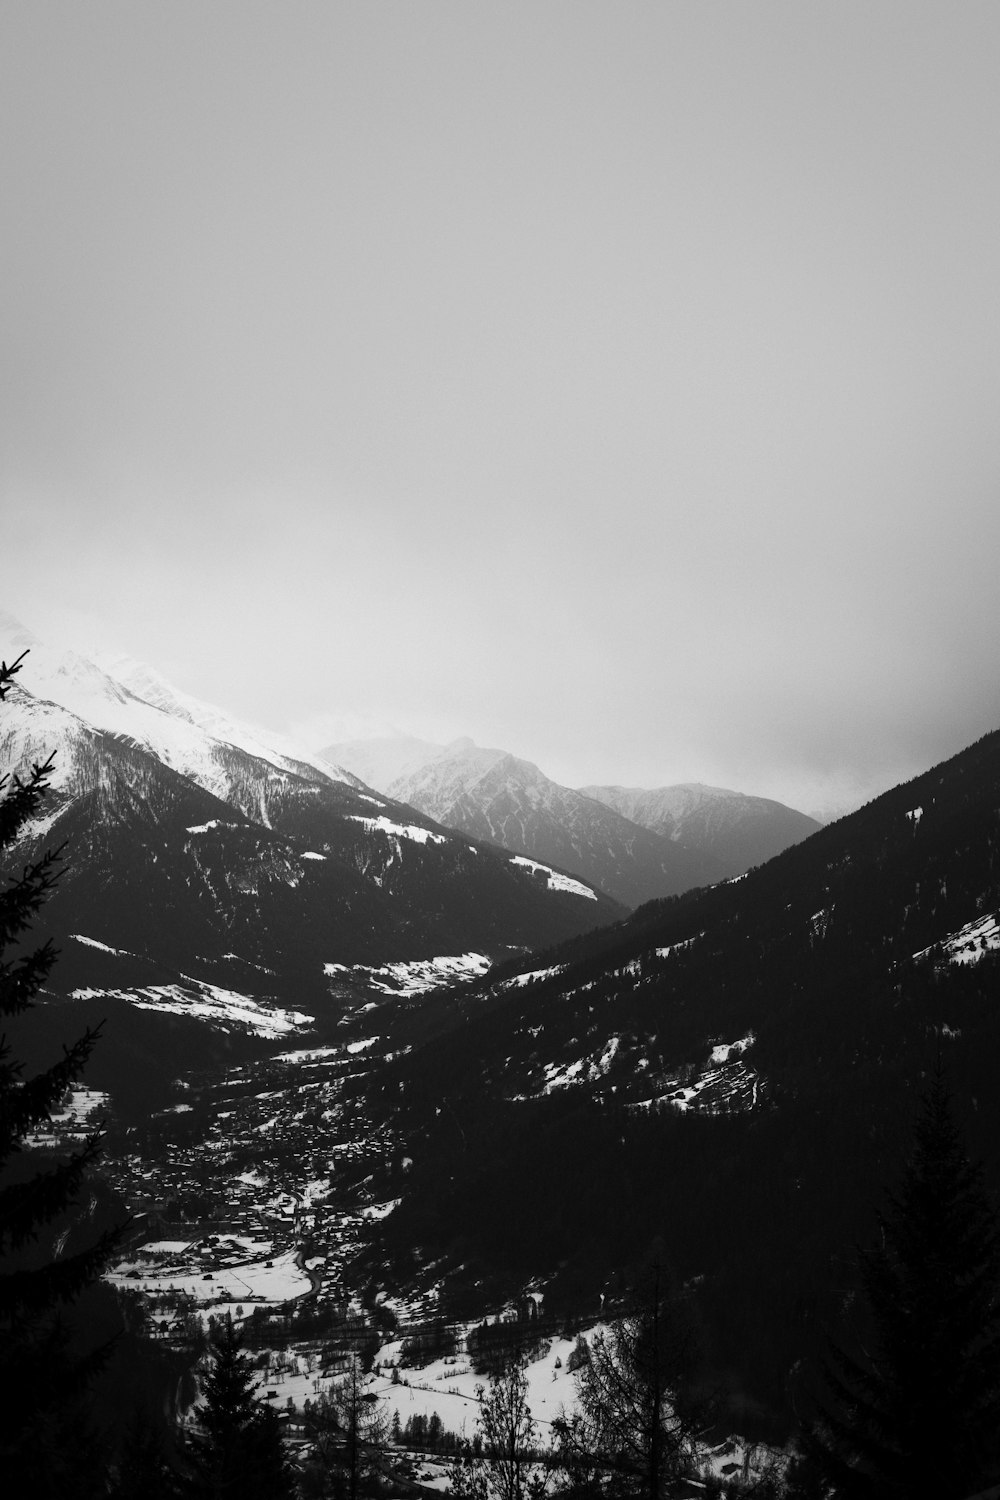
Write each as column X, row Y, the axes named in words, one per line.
column 618, row 384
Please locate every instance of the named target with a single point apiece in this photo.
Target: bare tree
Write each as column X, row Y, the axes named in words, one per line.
column 641, row 1408
column 350, row 1436
column 505, row 1470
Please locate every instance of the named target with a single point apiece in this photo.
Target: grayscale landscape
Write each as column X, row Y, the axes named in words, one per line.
column 499, row 751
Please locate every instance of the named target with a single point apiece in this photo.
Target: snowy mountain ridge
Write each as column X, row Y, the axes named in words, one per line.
column 636, row 845
column 215, row 877
column 124, row 697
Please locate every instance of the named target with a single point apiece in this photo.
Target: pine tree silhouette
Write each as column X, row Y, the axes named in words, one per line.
column 237, row 1448
column 43, row 1432
column 916, row 1411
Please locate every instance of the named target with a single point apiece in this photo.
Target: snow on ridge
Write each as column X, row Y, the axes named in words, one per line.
column 521, row 979
column 583, row 1070
column 208, row 1002
column 556, row 880
column 721, row 1053
column 401, row 830
column 969, row 943
column 725, row 1087
column 119, row 696
column 416, row 976
column 675, row 947
column 90, row 942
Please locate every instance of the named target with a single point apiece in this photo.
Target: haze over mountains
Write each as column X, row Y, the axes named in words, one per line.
column 636, row 846
column 733, row 829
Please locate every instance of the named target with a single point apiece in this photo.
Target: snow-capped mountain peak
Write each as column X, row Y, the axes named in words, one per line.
column 124, row 697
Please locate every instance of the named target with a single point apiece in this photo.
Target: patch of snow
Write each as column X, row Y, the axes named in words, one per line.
column 208, row 1002
column 399, row 830
column 380, row 1210
column 556, row 881
column 207, row 1280
column 309, row 1054
column 584, row 1069
column 90, row 942
column 37, row 828
column 969, row 943
column 416, row 976
column 914, row 815
column 73, row 1119
column 721, row 1053
column 685, row 943
column 529, row 978
column 735, row 1086
column 310, row 855
column 448, row 1386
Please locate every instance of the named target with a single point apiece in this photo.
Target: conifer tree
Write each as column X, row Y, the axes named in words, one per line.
column 142, row 1471
column 914, row 1411
column 43, row 1383
column 236, row 1449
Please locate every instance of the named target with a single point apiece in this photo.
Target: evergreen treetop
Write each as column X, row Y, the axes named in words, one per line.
column 236, row 1449
column 43, row 1382
column 915, row 1410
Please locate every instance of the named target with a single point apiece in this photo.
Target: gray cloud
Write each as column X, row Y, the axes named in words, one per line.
column 619, row 386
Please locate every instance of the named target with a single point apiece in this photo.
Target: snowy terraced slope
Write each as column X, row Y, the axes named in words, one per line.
column 554, row 879
column 399, row 830
column 81, row 1112
column 969, row 944
column 417, row 976
column 226, row 1009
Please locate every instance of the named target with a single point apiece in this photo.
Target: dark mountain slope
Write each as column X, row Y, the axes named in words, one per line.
column 495, row 796
column 733, row 829
column 171, row 888
column 733, row 1070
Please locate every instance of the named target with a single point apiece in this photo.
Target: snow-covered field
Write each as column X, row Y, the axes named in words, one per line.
column 232, row 1271
column 78, row 1114
column 448, row 1387
column 416, row 975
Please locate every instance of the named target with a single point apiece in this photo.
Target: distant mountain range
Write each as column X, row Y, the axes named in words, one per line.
column 732, row 829
column 635, row 845
column 216, row 874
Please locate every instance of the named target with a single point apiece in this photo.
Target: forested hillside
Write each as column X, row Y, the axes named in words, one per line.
column 734, row 1071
